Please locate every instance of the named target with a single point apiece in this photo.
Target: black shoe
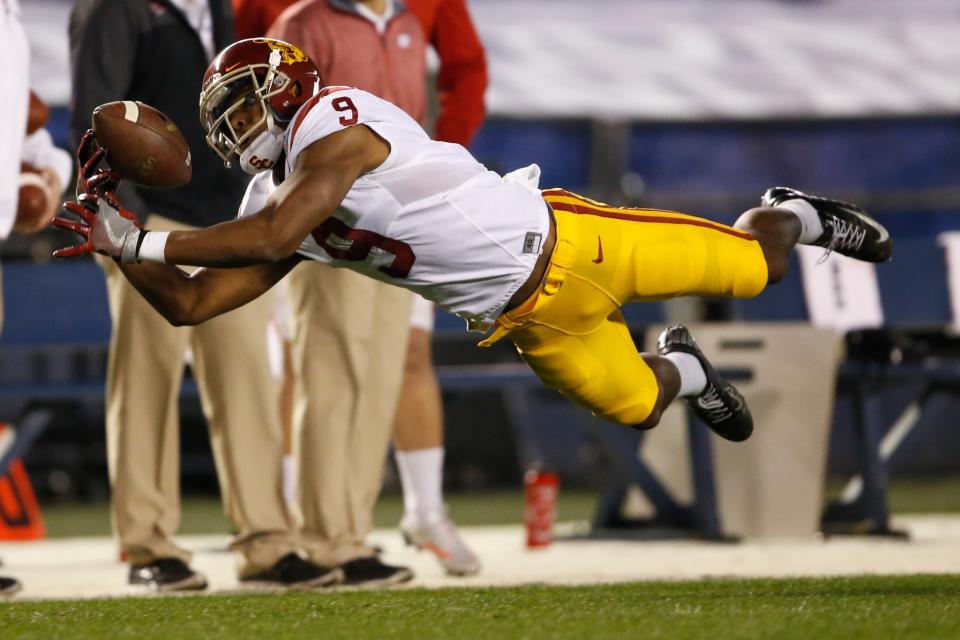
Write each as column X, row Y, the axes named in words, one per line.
column 294, row 572
column 371, row 572
column 167, row 574
column 719, row 405
column 847, row 229
column 9, row 586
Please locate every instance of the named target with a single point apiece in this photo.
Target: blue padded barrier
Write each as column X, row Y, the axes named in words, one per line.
column 908, row 153
column 561, row 148
column 54, row 303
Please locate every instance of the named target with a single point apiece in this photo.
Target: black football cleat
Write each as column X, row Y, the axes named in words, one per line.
column 720, row 406
column 166, row 574
column 372, row 572
column 9, row 586
column 847, row 229
column 293, row 572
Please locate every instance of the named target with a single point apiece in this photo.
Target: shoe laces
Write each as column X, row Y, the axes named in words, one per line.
column 713, row 405
column 847, row 236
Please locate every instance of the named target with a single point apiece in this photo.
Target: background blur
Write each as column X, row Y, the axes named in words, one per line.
column 692, row 105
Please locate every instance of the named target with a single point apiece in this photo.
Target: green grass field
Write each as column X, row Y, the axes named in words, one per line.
column 869, row 608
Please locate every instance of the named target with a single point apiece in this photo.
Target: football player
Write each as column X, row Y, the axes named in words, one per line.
column 348, row 179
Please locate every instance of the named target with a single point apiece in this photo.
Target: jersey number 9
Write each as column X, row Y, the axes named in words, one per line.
column 343, row 104
column 361, row 243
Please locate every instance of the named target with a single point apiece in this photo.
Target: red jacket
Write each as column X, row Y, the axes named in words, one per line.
column 462, row 80
column 348, row 51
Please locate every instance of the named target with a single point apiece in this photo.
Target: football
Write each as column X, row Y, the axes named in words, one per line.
column 143, row 145
column 33, row 202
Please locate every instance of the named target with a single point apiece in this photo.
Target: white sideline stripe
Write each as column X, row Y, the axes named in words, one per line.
column 88, row 567
column 131, row 110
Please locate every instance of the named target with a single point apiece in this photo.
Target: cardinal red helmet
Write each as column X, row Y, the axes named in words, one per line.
column 276, row 73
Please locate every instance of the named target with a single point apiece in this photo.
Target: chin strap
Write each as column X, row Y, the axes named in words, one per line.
column 262, row 154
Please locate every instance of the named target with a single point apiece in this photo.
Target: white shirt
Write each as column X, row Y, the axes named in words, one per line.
column 379, row 21
column 430, row 218
column 197, row 13
column 38, row 150
column 14, row 103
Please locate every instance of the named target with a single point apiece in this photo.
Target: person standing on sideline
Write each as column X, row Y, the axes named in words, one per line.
column 346, row 401
column 418, row 420
column 36, row 149
column 418, row 424
column 166, row 46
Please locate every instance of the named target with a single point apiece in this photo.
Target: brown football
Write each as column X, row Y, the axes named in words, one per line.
column 143, row 145
column 33, row 201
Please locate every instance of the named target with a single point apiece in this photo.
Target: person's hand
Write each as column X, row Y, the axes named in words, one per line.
column 89, row 154
column 105, row 226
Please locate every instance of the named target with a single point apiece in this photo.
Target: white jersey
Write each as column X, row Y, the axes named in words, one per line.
column 13, row 110
column 430, row 218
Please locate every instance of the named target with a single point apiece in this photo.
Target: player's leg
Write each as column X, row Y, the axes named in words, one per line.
column 418, row 449
column 609, row 256
column 600, row 368
column 790, row 217
column 602, row 371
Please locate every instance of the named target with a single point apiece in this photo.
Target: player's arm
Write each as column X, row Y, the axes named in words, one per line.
column 324, row 174
column 189, row 299
column 181, row 298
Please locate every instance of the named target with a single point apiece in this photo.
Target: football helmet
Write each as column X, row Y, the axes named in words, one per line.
column 278, row 75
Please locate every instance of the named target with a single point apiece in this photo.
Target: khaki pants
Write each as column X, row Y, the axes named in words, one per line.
column 350, row 340
column 240, row 402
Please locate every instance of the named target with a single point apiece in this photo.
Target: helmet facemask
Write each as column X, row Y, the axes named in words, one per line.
column 240, row 89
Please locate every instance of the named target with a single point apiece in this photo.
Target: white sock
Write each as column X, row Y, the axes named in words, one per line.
column 290, row 480
column 421, row 475
column 693, row 379
column 810, row 226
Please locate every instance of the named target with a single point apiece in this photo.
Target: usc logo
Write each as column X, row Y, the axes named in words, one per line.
column 260, row 163
column 288, row 52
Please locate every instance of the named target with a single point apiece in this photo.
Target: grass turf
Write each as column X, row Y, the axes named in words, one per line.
column 901, row 607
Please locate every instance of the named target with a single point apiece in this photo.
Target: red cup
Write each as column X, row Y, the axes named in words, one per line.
column 540, row 496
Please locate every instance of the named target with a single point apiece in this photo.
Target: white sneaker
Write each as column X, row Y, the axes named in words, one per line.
column 440, row 536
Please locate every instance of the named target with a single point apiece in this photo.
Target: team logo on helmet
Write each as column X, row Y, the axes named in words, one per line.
column 288, row 52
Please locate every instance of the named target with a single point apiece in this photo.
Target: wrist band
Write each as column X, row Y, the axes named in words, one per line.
column 152, row 246
column 140, row 236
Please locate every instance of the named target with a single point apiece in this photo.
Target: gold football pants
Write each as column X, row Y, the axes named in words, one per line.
column 571, row 331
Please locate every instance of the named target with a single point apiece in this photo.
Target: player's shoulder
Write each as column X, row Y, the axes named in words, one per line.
column 332, row 109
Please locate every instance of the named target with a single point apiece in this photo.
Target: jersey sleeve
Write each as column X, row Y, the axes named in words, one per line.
column 330, row 111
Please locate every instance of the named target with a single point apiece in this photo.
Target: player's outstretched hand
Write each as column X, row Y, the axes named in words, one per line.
column 89, row 154
column 105, row 226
